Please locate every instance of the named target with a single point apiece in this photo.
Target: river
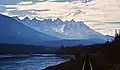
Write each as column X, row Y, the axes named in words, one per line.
column 29, row 63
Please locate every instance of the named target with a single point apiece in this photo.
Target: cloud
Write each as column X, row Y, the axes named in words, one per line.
column 95, row 13
column 5, row 9
column 21, row 13
column 9, row 2
column 14, row 2
column 30, row 12
column 25, row 3
column 49, row 0
column 106, row 28
column 2, row 9
column 76, row 12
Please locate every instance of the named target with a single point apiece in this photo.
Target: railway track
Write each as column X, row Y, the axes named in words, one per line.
column 87, row 65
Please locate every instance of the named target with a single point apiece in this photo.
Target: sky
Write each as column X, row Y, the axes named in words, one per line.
column 101, row 15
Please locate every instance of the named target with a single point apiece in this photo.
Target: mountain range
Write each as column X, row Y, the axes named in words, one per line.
column 47, row 32
column 66, row 30
column 12, row 31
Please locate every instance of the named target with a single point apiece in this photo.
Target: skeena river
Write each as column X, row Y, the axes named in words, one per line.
column 30, row 63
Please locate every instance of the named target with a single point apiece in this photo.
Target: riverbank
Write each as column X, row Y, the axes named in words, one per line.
column 73, row 64
column 98, row 62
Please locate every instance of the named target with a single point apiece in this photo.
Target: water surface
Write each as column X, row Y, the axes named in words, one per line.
column 29, row 63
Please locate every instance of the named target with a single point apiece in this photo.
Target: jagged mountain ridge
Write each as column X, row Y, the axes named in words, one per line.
column 14, row 32
column 25, row 32
column 65, row 30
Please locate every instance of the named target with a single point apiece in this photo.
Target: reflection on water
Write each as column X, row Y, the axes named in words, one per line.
column 29, row 63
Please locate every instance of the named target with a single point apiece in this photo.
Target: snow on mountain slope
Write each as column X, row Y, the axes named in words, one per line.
column 79, row 30
column 64, row 30
column 46, row 26
column 14, row 32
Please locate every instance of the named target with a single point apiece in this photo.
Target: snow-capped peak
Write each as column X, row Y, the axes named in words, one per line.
column 34, row 19
column 58, row 21
column 26, row 20
column 72, row 21
column 16, row 18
